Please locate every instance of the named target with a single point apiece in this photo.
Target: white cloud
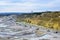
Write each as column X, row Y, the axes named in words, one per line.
column 26, row 6
column 55, row 3
column 23, row 7
column 3, row 3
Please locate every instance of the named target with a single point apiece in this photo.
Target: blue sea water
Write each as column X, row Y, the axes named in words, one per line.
column 6, row 14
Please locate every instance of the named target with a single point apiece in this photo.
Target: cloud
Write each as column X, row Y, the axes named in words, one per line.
column 28, row 5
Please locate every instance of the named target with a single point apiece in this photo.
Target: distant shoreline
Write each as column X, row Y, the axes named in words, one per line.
column 19, row 13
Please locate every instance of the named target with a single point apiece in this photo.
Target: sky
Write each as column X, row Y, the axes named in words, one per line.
column 29, row 5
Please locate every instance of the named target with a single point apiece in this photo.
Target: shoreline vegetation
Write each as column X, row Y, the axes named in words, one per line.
column 49, row 19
